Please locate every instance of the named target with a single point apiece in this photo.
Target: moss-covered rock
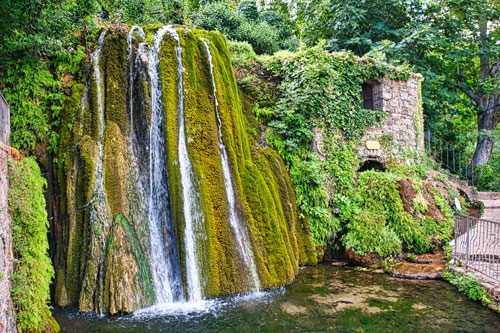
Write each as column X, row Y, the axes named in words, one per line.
column 106, row 267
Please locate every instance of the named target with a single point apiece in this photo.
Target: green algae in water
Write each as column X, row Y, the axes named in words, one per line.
column 323, row 298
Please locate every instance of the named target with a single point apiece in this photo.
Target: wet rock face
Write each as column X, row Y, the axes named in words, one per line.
column 407, row 193
column 368, row 259
column 103, row 257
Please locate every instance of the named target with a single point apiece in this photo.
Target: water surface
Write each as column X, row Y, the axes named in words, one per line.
column 323, row 298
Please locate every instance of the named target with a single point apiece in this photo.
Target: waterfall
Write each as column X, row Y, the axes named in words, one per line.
column 131, row 63
column 193, row 216
column 164, row 263
column 98, row 209
column 244, row 246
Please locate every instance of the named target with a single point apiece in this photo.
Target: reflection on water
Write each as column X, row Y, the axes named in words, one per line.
column 324, row 298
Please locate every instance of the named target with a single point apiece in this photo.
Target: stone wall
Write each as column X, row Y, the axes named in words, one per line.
column 7, row 323
column 401, row 134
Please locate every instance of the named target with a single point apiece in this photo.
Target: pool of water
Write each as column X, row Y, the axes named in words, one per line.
column 323, row 298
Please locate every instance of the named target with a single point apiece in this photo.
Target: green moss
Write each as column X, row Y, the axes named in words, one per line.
column 140, row 257
column 33, row 272
column 265, row 199
column 114, row 74
column 67, row 264
column 168, row 74
column 115, row 169
column 220, row 260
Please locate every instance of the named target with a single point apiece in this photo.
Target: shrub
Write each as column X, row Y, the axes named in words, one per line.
column 235, row 25
column 248, row 8
column 218, row 16
column 467, row 284
column 32, row 91
column 378, row 191
column 242, row 53
column 368, row 232
column 487, row 174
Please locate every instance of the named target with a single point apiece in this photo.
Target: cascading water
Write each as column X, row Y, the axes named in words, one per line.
column 244, row 247
column 131, row 62
column 193, row 217
column 164, row 258
column 98, row 208
column 151, row 154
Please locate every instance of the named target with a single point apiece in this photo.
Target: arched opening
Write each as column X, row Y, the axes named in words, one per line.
column 371, row 165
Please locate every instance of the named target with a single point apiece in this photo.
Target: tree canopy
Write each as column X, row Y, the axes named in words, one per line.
column 453, row 43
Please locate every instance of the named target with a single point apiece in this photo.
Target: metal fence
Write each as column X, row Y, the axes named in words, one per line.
column 477, row 245
column 451, row 157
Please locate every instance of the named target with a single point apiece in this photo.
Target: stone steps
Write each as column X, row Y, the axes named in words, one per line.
column 491, row 202
column 488, row 196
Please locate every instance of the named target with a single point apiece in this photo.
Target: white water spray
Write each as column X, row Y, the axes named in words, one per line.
column 192, row 214
column 164, row 259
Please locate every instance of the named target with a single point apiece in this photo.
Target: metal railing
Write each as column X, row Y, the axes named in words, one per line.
column 451, row 157
column 477, row 245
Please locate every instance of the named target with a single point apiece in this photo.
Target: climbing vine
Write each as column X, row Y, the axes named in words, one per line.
column 316, row 123
column 320, row 92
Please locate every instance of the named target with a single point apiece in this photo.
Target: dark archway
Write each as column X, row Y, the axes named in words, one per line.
column 371, row 165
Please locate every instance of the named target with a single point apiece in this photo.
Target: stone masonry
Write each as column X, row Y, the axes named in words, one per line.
column 7, row 323
column 400, row 135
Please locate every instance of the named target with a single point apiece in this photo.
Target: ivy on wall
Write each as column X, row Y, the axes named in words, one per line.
column 321, row 92
column 316, row 122
column 33, row 271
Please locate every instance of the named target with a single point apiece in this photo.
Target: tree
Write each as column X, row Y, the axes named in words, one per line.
column 354, row 25
column 463, row 52
column 453, row 43
column 480, row 31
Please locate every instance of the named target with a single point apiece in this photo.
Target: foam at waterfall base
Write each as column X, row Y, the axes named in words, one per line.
column 193, row 309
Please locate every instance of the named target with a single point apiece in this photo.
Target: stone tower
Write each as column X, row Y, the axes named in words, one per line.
column 400, row 136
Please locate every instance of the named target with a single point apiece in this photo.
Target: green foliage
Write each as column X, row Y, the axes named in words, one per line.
column 378, row 193
column 262, row 113
column 242, row 53
column 353, row 24
column 488, row 178
column 443, row 205
column 368, row 232
column 31, row 90
column 467, row 284
column 33, row 272
column 419, row 204
column 151, row 11
column 320, row 92
column 266, row 31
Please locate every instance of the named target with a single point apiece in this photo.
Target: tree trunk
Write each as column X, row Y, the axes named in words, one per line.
column 487, row 121
column 488, row 106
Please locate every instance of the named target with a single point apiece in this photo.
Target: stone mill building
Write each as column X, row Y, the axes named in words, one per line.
column 400, row 136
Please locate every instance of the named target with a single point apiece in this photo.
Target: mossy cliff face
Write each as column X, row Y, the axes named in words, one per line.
column 104, row 265
column 101, row 264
